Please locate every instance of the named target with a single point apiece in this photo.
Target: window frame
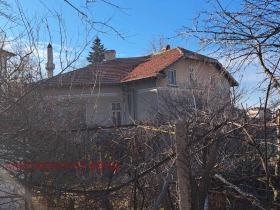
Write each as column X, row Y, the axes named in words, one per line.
column 116, row 112
column 213, row 80
column 171, row 80
column 192, row 75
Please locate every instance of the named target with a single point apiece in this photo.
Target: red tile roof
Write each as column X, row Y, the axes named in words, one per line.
column 106, row 73
column 123, row 70
column 154, row 65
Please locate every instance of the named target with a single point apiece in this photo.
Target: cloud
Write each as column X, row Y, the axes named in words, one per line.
column 65, row 57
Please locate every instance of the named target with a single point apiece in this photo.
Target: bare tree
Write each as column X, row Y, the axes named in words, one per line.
column 29, row 132
column 243, row 33
column 156, row 44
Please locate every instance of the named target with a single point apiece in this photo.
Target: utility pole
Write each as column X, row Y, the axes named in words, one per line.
column 183, row 167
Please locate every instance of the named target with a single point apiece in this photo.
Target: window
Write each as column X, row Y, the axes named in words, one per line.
column 212, row 80
column 172, row 77
column 129, row 103
column 192, row 79
column 116, row 113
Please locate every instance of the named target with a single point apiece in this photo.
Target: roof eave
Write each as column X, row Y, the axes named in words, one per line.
column 80, row 85
column 7, row 52
column 231, row 79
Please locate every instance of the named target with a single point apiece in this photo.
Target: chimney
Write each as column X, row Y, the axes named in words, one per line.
column 166, row 48
column 50, row 65
column 110, row 55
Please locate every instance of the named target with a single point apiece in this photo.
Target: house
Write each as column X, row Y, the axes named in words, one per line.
column 120, row 91
column 258, row 113
column 4, row 57
column 10, row 192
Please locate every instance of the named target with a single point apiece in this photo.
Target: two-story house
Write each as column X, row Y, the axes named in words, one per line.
column 121, row 90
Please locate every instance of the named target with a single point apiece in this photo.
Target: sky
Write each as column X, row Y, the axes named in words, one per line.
column 130, row 26
column 136, row 21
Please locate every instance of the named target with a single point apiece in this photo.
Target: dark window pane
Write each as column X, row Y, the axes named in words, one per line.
column 118, row 106
column 172, row 77
column 119, row 122
column 114, row 118
column 169, row 77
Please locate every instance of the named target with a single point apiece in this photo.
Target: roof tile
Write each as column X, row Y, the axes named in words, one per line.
column 122, row 70
column 154, row 65
column 107, row 72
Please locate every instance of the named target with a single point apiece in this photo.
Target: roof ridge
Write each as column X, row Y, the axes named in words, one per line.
column 197, row 53
column 160, row 52
column 180, row 50
column 143, row 56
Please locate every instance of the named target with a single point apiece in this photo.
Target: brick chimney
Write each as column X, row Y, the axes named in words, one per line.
column 110, row 55
column 50, row 65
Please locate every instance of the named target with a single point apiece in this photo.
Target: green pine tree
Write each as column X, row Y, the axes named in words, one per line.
column 97, row 54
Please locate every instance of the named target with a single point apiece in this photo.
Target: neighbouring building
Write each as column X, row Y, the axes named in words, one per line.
column 258, row 113
column 120, row 91
column 10, row 192
column 4, row 57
